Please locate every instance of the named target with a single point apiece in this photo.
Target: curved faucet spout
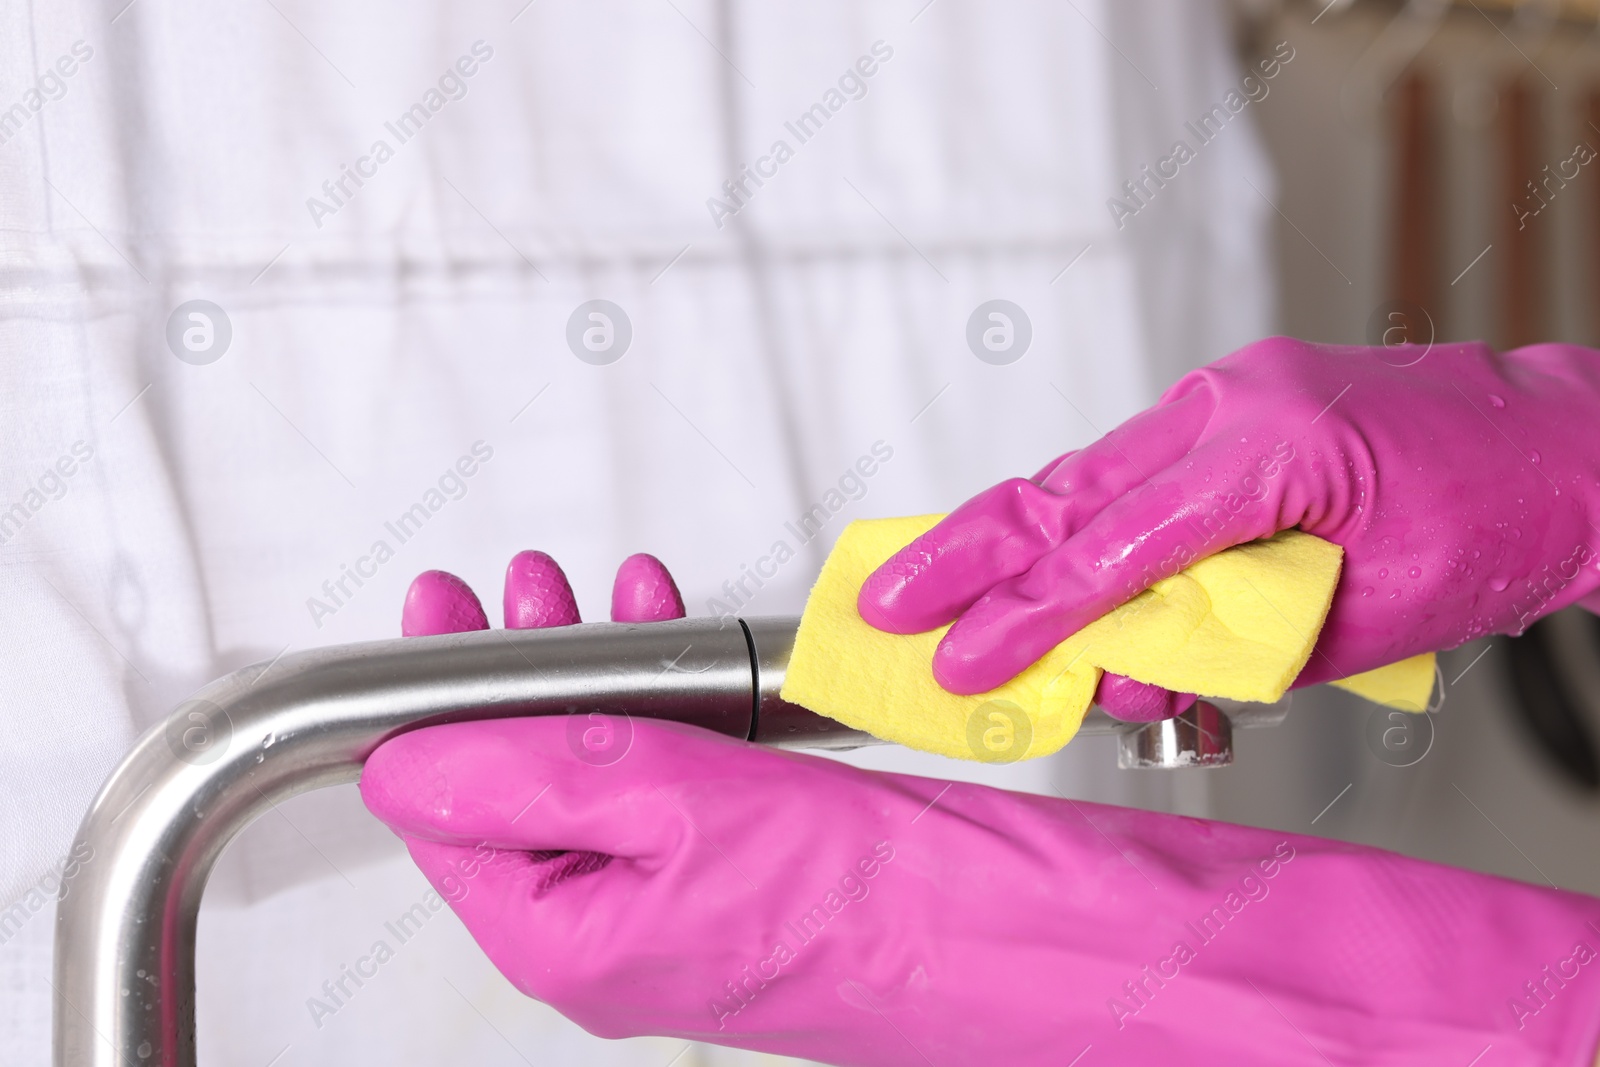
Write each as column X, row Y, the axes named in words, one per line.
column 125, row 924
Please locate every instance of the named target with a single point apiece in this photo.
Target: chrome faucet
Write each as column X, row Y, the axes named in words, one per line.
column 125, row 923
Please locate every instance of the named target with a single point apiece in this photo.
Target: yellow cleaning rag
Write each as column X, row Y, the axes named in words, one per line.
column 1406, row 685
column 1239, row 624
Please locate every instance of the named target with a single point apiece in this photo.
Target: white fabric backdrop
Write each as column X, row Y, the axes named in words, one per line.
column 371, row 351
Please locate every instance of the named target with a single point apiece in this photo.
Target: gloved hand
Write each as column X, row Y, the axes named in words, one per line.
column 537, row 594
column 1462, row 485
column 706, row 888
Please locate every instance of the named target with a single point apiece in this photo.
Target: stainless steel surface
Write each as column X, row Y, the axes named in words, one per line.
column 779, row 722
column 125, row 926
column 1200, row 737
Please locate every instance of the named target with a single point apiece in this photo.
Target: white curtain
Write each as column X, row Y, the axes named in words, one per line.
column 559, row 153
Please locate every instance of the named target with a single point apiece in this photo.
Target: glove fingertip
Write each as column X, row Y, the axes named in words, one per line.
column 537, row 593
column 961, row 672
column 396, row 784
column 887, row 598
column 1124, row 698
column 440, row 603
column 877, row 608
column 644, row 591
column 996, row 639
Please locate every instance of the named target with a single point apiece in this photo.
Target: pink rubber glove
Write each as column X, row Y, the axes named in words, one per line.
column 709, row 889
column 537, row 594
column 705, row 888
column 1462, row 487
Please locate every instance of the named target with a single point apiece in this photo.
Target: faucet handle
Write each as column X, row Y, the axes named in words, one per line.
column 1200, row 737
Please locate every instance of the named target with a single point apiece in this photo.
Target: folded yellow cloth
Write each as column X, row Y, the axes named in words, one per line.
column 1406, row 685
column 1239, row 624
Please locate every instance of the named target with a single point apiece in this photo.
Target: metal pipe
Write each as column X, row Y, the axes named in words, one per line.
column 125, row 923
column 1200, row 737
